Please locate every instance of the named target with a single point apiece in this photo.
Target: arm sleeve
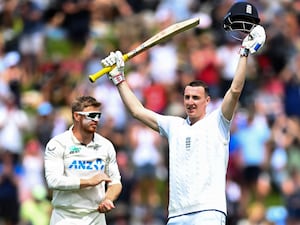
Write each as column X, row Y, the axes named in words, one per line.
column 164, row 124
column 224, row 125
column 54, row 168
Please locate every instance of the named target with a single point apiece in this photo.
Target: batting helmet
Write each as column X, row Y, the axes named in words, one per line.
column 242, row 16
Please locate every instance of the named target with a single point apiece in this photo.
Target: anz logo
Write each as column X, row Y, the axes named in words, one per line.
column 88, row 165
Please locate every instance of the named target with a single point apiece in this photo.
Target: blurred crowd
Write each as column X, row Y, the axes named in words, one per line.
column 47, row 50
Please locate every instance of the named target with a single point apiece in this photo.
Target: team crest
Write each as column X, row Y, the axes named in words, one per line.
column 74, row 149
column 249, row 9
column 188, row 143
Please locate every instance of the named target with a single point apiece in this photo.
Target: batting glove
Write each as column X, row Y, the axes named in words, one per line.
column 253, row 41
column 117, row 73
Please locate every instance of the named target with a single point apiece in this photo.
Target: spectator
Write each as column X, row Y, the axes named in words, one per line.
column 45, row 123
column 9, row 189
column 206, row 63
column 9, row 25
column 37, row 209
column 33, row 168
column 32, row 37
column 77, row 17
column 252, row 138
column 14, row 75
column 226, row 53
column 113, row 109
column 146, row 158
column 256, row 215
column 291, row 80
column 14, row 122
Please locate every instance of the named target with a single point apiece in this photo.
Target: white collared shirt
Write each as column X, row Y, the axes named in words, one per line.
column 67, row 161
column 198, row 159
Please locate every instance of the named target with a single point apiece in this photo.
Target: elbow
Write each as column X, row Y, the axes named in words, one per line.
column 136, row 112
column 135, row 115
column 236, row 92
column 51, row 183
column 54, row 184
column 51, row 186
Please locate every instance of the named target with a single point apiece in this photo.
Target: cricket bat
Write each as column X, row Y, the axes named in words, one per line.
column 156, row 39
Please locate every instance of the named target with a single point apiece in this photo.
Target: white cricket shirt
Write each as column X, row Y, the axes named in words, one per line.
column 67, row 161
column 198, row 159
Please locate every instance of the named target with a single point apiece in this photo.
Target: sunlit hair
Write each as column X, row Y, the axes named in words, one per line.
column 83, row 102
column 199, row 83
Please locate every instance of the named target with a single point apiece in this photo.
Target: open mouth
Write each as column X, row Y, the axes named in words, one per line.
column 190, row 110
column 190, row 107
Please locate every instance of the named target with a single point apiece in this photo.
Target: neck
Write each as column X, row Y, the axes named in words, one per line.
column 82, row 136
column 195, row 120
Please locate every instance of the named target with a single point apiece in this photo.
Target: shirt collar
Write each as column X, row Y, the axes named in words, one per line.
column 76, row 141
column 188, row 121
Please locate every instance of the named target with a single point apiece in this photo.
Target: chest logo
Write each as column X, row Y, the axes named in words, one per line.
column 188, row 143
column 98, row 164
column 51, row 149
column 74, row 149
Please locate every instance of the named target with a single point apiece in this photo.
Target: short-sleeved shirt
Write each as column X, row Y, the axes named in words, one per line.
column 198, row 159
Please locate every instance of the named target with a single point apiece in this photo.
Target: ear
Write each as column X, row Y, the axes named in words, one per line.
column 76, row 116
column 208, row 100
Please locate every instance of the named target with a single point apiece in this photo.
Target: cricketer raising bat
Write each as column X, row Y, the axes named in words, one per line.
column 156, row 39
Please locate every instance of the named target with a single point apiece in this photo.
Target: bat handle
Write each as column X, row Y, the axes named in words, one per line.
column 93, row 77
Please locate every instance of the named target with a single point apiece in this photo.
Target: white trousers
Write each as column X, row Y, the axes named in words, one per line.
column 61, row 217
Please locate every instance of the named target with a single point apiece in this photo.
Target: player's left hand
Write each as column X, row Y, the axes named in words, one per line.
column 117, row 74
column 254, row 41
column 105, row 206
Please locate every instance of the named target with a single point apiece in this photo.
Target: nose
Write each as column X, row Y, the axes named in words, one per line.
column 97, row 118
column 189, row 100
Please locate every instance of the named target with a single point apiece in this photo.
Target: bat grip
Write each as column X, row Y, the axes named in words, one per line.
column 100, row 73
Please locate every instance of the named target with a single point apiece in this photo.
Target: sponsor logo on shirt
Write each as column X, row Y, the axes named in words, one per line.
column 98, row 164
column 74, row 149
column 51, row 149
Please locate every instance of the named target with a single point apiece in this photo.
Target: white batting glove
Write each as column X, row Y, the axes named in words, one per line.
column 117, row 73
column 253, row 41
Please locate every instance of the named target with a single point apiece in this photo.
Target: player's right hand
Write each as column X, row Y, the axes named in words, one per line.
column 117, row 73
column 253, row 41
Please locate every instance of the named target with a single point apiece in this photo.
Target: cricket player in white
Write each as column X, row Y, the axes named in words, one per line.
column 198, row 145
column 79, row 164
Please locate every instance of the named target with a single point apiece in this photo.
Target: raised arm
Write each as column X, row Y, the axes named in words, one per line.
column 134, row 106
column 251, row 44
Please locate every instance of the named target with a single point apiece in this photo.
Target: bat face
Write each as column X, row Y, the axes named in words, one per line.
column 164, row 35
column 156, row 39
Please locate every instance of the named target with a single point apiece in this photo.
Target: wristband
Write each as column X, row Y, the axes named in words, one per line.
column 117, row 79
column 244, row 51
